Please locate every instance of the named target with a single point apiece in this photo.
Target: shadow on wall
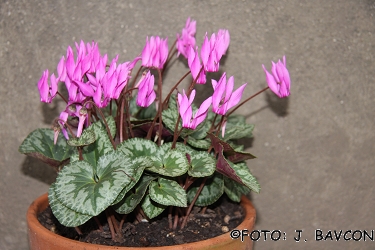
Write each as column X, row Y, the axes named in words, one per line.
column 38, row 170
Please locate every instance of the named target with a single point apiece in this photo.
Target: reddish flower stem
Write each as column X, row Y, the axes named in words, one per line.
column 248, row 99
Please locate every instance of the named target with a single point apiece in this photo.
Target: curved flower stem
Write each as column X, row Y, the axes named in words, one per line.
column 105, row 123
column 193, row 202
column 166, row 100
column 136, row 76
column 62, row 97
column 110, row 225
column 248, row 99
column 159, row 114
column 122, row 120
column 169, row 55
column 160, row 87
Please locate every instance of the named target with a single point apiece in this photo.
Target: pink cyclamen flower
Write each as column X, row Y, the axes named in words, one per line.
column 187, row 38
column 47, row 93
column 212, row 50
column 196, row 66
column 224, row 97
column 146, row 92
column 279, row 80
column 155, row 52
column 186, row 113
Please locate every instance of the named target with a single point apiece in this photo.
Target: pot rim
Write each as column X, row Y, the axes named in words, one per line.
column 41, row 203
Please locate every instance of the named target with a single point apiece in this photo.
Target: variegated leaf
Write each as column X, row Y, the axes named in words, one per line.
column 102, row 144
column 39, row 144
column 132, row 199
column 234, row 190
column 169, row 162
column 237, row 128
column 247, row 178
column 87, row 137
column 151, row 208
column 202, row 144
column 140, row 164
column 90, row 190
column 168, row 193
column 211, row 192
column 202, row 164
column 135, row 147
column 63, row 214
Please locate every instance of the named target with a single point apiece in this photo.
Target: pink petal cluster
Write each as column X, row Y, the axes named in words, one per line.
column 195, row 66
column 86, row 77
column 224, row 97
column 47, row 92
column 186, row 112
column 187, row 38
column 146, row 92
column 212, row 50
column 73, row 110
column 155, row 52
column 279, row 80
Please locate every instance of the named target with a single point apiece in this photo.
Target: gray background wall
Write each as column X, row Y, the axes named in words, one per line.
column 315, row 150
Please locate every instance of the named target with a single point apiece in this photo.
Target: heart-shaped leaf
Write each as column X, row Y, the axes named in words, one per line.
column 132, row 199
column 151, row 208
column 85, row 139
column 63, row 214
column 211, row 192
column 90, row 190
column 234, row 190
column 202, row 164
column 39, row 144
column 168, row 193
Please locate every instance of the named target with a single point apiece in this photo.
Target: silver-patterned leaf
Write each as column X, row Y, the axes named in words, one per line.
column 169, row 162
column 202, row 164
column 151, row 208
column 132, row 199
column 141, row 164
column 87, row 137
column 247, row 178
column 234, row 190
column 168, row 193
column 63, row 214
column 39, row 144
column 90, row 190
column 136, row 147
column 211, row 192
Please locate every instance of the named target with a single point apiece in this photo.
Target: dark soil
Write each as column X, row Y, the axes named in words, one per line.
column 219, row 218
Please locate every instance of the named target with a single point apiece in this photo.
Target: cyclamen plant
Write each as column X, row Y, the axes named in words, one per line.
column 122, row 146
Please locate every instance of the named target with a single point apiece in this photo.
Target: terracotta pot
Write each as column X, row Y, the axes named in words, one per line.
column 41, row 238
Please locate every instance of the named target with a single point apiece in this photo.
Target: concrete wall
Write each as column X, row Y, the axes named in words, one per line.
column 315, row 150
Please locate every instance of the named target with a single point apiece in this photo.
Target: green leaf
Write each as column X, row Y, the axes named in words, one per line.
column 102, row 145
column 39, row 144
column 202, row 144
column 132, row 199
column 136, row 147
column 234, row 190
column 168, row 193
column 170, row 117
column 63, row 214
column 211, row 192
column 141, row 163
column 90, row 190
column 202, row 164
column 151, row 208
column 237, row 128
column 85, row 139
column 247, row 178
column 169, row 162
